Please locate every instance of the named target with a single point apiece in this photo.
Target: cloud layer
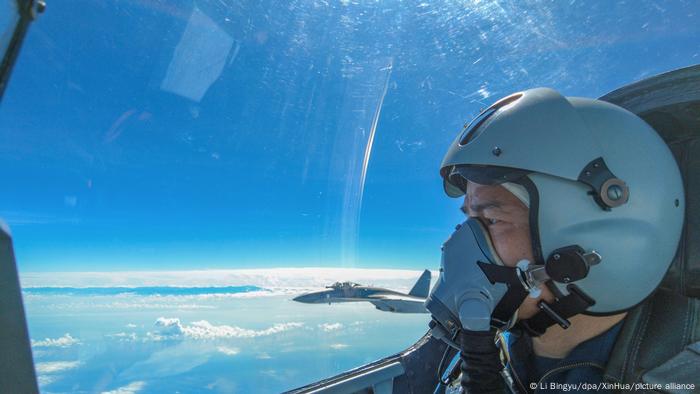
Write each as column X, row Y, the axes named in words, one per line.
column 172, row 328
column 275, row 279
column 51, row 367
column 65, row 341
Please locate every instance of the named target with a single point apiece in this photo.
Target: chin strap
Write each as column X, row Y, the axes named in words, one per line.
column 515, row 295
column 558, row 312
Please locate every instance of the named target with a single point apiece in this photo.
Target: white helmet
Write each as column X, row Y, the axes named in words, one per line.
column 606, row 195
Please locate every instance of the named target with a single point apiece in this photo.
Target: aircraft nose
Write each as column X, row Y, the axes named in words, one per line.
column 305, row 298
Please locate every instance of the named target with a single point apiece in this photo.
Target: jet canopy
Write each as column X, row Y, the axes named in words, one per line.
column 342, row 285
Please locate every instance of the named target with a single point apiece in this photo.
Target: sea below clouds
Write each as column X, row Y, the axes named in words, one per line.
column 223, row 331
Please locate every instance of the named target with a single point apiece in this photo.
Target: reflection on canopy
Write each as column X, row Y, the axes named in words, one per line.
column 252, row 134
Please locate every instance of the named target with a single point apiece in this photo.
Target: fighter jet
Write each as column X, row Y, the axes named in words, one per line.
column 382, row 299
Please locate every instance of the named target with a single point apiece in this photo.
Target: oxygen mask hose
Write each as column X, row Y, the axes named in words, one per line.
column 481, row 363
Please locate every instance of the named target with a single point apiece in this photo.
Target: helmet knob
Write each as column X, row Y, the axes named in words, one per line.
column 614, row 192
column 608, row 190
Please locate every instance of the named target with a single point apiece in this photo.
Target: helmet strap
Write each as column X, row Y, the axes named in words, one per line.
column 558, row 312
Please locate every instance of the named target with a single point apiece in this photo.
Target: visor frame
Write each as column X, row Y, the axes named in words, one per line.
column 455, row 177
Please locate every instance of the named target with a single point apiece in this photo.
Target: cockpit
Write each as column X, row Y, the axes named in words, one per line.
column 342, row 285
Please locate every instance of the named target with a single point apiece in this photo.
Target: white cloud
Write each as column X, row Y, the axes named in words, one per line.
column 55, row 366
column 338, row 346
column 169, row 326
column 277, row 280
column 328, row 327
column 263, row 356
column 172, row 328
column 65, row 341
column 148, row 302
column 130, row 388
column 131, row 325
column 229, row 351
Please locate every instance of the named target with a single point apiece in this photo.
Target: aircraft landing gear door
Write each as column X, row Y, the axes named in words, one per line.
column 16, row 365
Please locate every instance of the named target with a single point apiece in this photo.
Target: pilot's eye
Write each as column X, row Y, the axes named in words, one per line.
column 491, row 221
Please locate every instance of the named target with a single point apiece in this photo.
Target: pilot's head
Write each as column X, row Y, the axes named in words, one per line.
column 504, row 211
column 581, row 188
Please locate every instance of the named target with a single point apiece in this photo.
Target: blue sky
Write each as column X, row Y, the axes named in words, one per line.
column 189, row 135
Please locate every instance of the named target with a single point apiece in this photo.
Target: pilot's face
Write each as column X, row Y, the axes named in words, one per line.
column 507, row 221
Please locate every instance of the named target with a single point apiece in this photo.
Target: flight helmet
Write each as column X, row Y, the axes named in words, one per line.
column 606, row 195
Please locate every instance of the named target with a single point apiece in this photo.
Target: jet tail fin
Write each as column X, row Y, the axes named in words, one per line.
column 422, row 286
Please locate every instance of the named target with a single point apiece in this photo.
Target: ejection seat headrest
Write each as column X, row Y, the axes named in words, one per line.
column 670, row 103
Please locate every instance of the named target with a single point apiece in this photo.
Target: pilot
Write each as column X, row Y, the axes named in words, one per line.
column 577, row 205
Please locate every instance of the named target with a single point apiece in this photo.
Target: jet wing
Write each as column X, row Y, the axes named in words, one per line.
column 398, row 303
column 395, row 297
